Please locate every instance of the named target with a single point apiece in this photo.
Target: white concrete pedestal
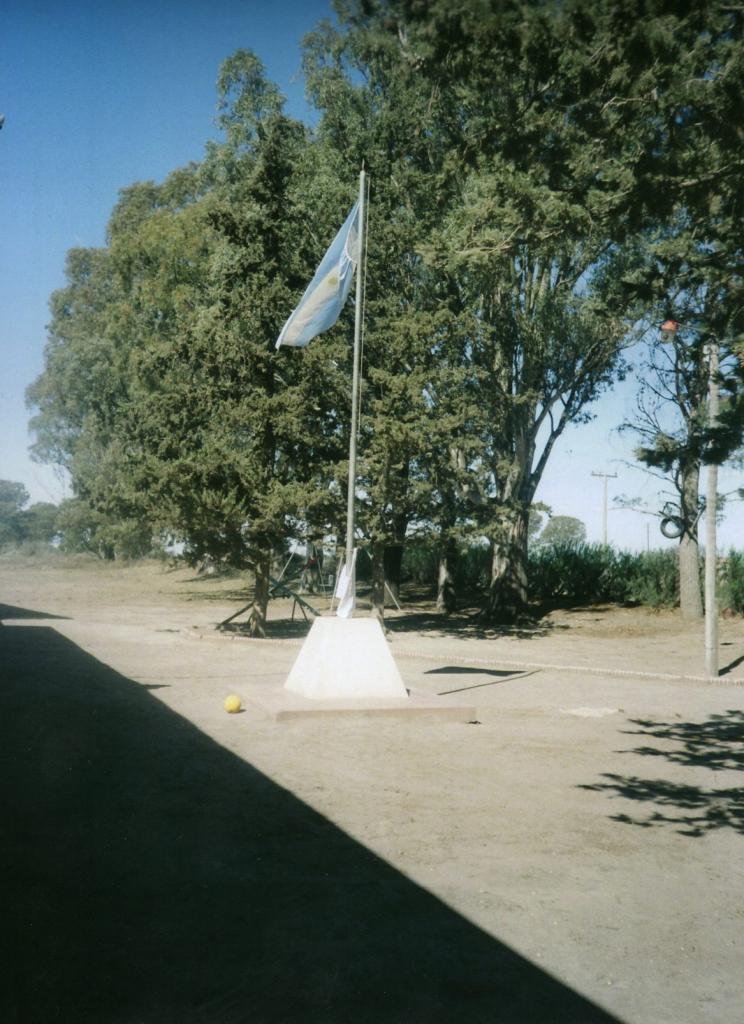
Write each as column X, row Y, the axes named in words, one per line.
column 346, row 659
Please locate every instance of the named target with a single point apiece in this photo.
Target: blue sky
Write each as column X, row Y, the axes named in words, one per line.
column 99, row 95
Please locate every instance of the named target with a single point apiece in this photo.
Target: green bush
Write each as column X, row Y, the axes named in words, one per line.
column 581, row 572
column 732, row 583
column 578, row 572
column 654, row 579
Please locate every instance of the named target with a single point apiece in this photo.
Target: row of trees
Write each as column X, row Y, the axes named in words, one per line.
column 19, row 521
column 73, row 526
column 547, row 178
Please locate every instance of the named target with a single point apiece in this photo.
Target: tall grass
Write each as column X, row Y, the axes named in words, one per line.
column 731, row 579
column 584, row 573
column 577, row 573
column 653, row 578
column 570, row 573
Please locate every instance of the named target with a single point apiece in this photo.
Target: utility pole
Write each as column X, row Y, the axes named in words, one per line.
column 605, row 477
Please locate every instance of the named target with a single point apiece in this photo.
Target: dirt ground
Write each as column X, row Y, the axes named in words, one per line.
column 574, row 854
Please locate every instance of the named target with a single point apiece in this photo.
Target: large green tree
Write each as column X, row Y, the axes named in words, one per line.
column 377, row 114
column 162, row 393
column 533, row 165
column 117, row 302
column 538, row 165
column 230, row 441
column 76, row 392
column 563, row 125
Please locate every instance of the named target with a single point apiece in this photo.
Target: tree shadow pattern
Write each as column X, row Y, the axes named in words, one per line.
column 454, row 626
column 466, row 626
column 716, row 744
column 149, row 875
column 276, row 629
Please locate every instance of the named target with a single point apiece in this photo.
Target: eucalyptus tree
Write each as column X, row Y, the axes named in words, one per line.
column 79, row 394
column 542, row 161
column 374, row 111
column 562, row 123
column 672, row 426
column 688, row 266
column 79, row 379
column 496, row 203
column 670, row 412
column 118, row 300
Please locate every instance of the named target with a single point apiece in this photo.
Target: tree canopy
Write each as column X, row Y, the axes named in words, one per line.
column 544, row 178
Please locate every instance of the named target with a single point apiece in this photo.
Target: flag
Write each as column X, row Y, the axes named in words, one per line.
column 326, row 294
column 346, row 589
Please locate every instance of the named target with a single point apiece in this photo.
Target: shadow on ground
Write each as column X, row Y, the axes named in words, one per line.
column 276, row 629
column 716, row 744
column 218, row 596
column 465, row 626
column 727, row 669
column 457, row 626
column 496, row 675
column 9, row 611
column 466, row 670
column 147, row 874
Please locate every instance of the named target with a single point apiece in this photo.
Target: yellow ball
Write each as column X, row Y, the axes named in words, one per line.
column 232, row 704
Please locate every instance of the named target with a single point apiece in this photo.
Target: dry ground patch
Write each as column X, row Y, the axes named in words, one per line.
column 576, row 856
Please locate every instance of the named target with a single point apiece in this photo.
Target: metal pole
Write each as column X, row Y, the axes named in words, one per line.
column 604, row 512
column 711, row 495
column 355, row 374
column 605, row 477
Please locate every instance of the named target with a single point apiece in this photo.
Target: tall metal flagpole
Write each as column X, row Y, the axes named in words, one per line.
column 343, row 657
column 711, row 501
column 356, row 371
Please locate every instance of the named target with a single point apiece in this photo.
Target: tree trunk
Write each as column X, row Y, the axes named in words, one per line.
column 378, row 580
column 393, row 562
column 257, row 617
column 507, row 593
column 446, row 595
column 690, row 598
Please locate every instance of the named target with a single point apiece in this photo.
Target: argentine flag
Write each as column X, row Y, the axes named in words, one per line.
column 326, row 294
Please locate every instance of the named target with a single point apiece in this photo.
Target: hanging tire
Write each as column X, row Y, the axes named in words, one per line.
column 672, row 527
